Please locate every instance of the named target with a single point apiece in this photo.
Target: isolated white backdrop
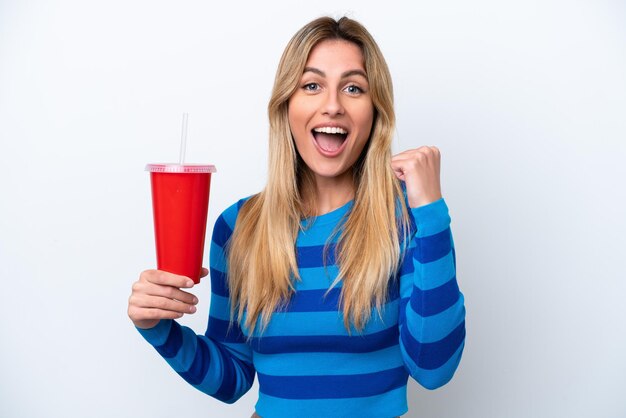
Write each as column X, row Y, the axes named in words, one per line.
column 526, row 100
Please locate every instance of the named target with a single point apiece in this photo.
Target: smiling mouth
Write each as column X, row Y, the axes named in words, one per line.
column 330, row 139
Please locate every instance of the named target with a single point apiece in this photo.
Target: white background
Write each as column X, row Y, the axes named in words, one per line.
column 525, row 99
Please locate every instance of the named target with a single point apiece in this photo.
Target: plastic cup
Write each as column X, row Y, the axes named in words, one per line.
column 180, row 202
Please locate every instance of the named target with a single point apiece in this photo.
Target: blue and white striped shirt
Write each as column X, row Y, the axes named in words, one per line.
column 308, row 364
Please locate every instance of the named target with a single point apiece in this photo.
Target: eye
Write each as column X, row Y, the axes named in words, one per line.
column 353, row 89
column 311, row 87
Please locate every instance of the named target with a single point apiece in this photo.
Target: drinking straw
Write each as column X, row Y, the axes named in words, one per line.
column 183, row 139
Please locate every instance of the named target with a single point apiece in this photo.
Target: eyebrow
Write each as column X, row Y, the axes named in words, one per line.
column 343, row 75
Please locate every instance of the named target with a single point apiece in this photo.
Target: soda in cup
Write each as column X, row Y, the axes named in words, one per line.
column 180, row 202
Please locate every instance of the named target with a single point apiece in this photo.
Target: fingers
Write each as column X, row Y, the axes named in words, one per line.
column 168, row 292
column 161, row 303
column 422, row 154
column 416, row 159
column 165, row 278
column 157, row 295
column 205, row 272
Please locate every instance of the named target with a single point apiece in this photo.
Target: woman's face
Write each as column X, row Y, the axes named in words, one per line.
column 331, row 113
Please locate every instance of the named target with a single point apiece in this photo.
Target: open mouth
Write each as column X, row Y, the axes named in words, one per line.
column 330, row 139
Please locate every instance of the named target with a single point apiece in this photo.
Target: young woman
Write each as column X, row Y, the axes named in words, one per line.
column 337, row 281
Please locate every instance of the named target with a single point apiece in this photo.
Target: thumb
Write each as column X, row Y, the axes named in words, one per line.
column 398, row 171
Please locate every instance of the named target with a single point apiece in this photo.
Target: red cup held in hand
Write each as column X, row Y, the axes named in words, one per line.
column 180, row 202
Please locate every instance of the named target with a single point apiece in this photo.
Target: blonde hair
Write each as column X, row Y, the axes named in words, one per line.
column 261, row 254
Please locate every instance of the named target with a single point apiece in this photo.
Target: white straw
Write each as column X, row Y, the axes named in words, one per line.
column 183, row 139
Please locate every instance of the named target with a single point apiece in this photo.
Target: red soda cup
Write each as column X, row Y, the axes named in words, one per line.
column 180, row 202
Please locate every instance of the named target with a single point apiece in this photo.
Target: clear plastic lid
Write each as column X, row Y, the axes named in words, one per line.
column 178, row 168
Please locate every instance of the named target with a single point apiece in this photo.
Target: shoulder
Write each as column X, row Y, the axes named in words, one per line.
column 225, row 223
column 229, row 215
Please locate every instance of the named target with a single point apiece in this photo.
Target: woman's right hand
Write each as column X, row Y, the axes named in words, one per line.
column 157, row 295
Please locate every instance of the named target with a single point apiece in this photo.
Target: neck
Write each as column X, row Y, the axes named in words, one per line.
column 333, row 192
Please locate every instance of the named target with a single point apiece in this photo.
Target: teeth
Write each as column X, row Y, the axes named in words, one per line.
column 329, row 130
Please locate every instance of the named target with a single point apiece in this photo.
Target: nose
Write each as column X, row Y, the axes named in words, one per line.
column 332, row 105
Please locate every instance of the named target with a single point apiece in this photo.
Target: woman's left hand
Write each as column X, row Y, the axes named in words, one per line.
column 419, row 169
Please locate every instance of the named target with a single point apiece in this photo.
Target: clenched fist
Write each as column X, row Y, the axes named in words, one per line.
column 419, row 169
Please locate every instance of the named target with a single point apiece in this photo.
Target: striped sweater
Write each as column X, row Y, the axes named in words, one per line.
column 307, row 363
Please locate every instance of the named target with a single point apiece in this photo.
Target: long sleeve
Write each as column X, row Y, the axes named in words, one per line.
column 432, row 320
column 218, row 363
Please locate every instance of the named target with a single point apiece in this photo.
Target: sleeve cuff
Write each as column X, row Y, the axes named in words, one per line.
column 431, row 218
column 158, row 334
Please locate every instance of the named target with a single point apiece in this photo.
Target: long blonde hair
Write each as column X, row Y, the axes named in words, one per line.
column 261, row 254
